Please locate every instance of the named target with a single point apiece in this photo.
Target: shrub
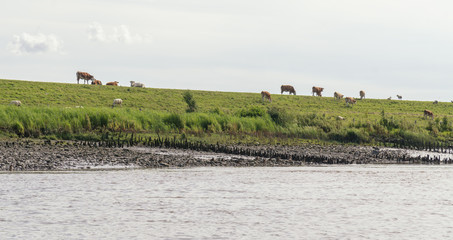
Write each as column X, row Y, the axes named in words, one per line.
column 191, row 104
column 174, row 120
column 280, row 116
column 253, row 111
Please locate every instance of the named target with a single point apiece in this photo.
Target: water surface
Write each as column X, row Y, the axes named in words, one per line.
column 332, row 202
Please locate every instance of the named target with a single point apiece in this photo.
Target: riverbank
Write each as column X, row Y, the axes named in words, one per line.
column 60, row 155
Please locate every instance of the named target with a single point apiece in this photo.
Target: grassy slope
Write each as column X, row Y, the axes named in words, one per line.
column 40, row 94
column 70, row 95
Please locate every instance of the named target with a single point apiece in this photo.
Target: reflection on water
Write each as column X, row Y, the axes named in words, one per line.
column 391, row 201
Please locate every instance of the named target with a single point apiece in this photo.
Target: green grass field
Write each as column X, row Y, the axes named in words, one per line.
column 49, row 111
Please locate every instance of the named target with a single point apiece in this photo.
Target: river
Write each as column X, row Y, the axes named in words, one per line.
column 313, row 202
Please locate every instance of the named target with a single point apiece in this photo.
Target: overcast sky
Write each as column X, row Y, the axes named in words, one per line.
column 384, row 47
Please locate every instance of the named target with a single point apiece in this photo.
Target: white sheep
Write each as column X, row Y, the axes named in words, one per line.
column 15, row 102
column 137, row 84
column 117, row 101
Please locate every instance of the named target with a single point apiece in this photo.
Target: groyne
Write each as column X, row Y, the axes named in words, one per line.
column 167, row 153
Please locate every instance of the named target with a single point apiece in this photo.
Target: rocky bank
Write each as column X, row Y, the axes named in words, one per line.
column 60, row 155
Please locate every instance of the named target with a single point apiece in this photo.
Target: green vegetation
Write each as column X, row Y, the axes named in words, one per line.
column 49, row 111
column 191, row 104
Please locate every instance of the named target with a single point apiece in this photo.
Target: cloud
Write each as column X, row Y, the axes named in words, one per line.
column 34, row 43
column 96, row 32
column 119, row 34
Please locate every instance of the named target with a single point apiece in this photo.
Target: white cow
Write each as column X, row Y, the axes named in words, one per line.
column 117, row 101
column 137, row 84
column 15, row 102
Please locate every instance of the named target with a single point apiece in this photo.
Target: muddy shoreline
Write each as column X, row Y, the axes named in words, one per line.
column 60, row 155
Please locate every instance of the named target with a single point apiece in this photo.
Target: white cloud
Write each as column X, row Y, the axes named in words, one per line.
column 35, row 43
column 119, row 34
column 96, row 32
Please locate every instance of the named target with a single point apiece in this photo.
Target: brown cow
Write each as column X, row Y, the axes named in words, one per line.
column 115, row 83
column 362, row 94
column 85, row 76
column 317, row 90
column 350, row 100
column 288, row 88
column 267, row 95
column 337, row 95
column 96, row 82
column 427, row 113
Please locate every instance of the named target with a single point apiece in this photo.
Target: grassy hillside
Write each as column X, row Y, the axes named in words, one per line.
column 49, row 111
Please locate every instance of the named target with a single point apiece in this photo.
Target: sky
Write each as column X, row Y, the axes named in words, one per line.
column 384, row 47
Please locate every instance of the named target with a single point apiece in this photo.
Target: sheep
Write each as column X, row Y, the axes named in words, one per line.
column 117, row 101
column 15, row 102
column 137, row 84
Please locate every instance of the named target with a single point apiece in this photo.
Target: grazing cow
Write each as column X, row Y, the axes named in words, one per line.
column 436, row 102
column 288, row 88
column 117, row 101
column 317, row 90
column 362, row 94
column 115, row 83
column 136, row 84
column 96, row 82
column 267, row 95
column 427, row 113
column 337, row 95
column 399, row 97
column 350, row 100
column 85, row 76
column 15, row 102
column 389, row 98
column 340, row 118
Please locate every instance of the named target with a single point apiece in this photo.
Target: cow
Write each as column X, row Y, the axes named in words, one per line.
column 428, row 113
column 399, row 97
column 389, row 98
column 337, row 95
column 16, row 103
column 435, row 102
column 267, row 95
column 96, row 82
column 85, row 76
column 317, row 90
column 117, row 101
column 288, row 88
column 362, row 94
column 115, row 83
column 350, row 100
column 136, row 84
column 340, row 118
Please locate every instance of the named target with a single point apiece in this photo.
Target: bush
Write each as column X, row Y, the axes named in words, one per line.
column 174, row 121
column 253, row 111
column 280, row 116
column 191, row 104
